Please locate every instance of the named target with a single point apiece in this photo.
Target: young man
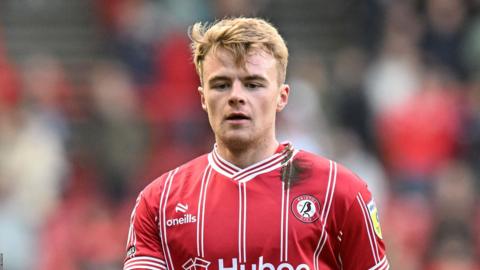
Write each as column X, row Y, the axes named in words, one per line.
column 252, row 203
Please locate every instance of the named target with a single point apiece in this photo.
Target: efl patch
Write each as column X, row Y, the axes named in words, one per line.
column 306, row 208
column 372, row 209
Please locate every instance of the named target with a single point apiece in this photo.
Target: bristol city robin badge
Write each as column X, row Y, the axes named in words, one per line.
column 306, row 208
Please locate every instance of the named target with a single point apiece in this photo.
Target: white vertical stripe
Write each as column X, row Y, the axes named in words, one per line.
column 286, row 218
column 281, row 221
column 132, row 238
column 365, row 218
column 327, row 192
column 323, row 236
column 326, row 207
column 130, row 232
column 329, row 204
column 199, row 220
column 316, row 254
column 322, row 242
column 203, row 212
column 244, row 222
column 167, row 250
column 367, row 212
column 340, row 261
column 239, row 223
column 161, row 219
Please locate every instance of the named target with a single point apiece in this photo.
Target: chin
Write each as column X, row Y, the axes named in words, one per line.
column 236, row 141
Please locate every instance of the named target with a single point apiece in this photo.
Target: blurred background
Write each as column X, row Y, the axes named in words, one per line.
column 98, row 98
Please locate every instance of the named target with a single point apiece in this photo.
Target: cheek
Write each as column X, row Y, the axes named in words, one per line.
column 212, row 111
column 267, row 111
column 211, row 108
column 270, row 106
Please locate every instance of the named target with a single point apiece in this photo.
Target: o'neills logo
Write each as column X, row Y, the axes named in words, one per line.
column 306, row 208
column 187, row 218
column 261, row 265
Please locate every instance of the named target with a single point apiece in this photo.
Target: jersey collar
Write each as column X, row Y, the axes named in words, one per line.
column 235, row 173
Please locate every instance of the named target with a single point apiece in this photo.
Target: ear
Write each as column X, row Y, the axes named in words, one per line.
column 282, row 98
column 202, row 98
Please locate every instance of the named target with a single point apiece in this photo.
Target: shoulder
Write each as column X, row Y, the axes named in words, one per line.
column 344, row 183
column 313, row 161
column 153, row 191
column 340, row 187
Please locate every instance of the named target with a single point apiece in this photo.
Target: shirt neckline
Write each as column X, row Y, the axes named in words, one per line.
column 235, row 173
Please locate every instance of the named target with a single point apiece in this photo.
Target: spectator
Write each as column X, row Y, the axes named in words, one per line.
column 417, row 138
column 307, row 78
column 121, row 134
column 33, row 162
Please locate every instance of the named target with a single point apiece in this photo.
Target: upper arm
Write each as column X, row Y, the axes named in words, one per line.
column 143, row 248
column 362, row 246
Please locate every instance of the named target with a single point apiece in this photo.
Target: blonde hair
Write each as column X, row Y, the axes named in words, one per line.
column 239, row 36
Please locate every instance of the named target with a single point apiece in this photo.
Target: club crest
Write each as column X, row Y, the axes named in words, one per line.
column 306, row 208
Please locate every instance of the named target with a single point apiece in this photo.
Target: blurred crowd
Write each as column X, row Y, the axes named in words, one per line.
column 403, row 113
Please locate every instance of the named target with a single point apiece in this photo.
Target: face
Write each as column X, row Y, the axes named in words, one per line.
column 242, row 103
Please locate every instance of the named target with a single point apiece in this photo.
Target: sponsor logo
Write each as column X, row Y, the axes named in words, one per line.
column 196, row 264
column 305, row 208
column 187, row 218
column 181, row 208
column 261, row 265
column 372, row 209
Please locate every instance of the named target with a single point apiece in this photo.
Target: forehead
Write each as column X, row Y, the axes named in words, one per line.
column 223, row 63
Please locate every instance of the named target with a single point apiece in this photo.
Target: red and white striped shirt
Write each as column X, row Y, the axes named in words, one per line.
column 210, row 214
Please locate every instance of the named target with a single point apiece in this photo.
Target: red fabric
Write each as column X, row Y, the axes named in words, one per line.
column 209, row 211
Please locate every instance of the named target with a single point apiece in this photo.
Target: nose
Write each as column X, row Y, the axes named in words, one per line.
column 237, row 94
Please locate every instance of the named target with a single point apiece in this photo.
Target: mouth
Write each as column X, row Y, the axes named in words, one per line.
column 237, row 117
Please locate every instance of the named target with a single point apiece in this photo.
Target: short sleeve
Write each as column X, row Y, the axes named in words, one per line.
column 143, row 248
column 362, row 246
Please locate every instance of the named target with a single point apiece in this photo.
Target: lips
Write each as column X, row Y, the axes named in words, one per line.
column 237, row 116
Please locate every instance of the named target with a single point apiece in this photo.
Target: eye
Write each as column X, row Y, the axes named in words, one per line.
column 220, row 86
column 252, row 85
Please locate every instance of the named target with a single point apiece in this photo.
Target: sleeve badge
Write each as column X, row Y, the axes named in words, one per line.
column 372, row 209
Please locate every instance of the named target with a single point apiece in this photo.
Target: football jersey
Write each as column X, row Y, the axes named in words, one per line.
column 209, row 214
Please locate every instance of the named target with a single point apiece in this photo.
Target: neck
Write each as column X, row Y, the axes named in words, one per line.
column 245, row 155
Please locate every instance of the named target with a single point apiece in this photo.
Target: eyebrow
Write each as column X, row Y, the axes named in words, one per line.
column 255, row 78
column 246, row 78
column 218, row 78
